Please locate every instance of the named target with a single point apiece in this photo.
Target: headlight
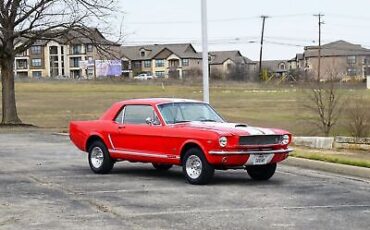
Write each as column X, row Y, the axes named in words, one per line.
column 222, row 141
column 285, row 140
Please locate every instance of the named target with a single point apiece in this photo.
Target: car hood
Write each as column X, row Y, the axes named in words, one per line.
column 224, row 128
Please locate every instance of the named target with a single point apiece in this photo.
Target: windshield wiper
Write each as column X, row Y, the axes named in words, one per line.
column 208, row 120
column 182, row 121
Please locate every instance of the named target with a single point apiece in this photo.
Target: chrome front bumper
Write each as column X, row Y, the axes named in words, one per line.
column 248, row 152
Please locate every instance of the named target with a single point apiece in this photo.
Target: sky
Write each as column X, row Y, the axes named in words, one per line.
column 236, row 24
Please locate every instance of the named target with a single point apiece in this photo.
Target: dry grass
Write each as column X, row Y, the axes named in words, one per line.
column 53, row 104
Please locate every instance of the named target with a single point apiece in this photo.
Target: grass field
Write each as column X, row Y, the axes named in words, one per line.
column 54, row 104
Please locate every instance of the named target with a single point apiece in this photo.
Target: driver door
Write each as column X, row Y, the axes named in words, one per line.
column 139, row 133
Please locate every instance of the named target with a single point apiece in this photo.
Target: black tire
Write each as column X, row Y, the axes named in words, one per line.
column 161, row 167
column 206, row 170
column 107, row 162
column 261, row 172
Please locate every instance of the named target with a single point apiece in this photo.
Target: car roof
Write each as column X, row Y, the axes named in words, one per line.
column 156, row 101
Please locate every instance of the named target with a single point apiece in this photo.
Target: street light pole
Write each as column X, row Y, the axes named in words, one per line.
column 205, row 53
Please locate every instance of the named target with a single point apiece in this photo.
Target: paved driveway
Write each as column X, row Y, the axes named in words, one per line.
column 45, row 183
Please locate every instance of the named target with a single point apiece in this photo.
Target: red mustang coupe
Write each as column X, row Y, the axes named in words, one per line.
column 187, row 133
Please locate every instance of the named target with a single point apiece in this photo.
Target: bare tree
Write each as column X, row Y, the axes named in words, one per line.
column 24, row 22
column 325, row 102
column 359, row 118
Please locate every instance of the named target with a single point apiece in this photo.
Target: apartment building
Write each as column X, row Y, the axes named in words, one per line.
column 62, row 56
column 231, row 64
column 276, row 68
column 162, row 60
column 339, row 59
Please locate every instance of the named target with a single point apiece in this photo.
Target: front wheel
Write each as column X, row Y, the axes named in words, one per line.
column 261, row 172
column 196, row 168
column 99, row 158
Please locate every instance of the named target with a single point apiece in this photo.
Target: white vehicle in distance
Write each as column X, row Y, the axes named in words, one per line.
column 145, row 76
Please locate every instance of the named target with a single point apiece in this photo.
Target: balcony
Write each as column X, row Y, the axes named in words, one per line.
column 21, row 65
column 173, row 64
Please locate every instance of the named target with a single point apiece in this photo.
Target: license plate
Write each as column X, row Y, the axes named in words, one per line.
column 261, row 159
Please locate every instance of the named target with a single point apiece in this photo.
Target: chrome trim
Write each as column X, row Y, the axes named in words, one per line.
column 144, row 154
column 250, row 152
column 110, row 141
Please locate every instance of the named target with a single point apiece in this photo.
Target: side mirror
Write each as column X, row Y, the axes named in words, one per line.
column 149, row 121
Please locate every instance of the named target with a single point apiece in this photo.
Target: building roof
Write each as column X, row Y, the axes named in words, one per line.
column 185, row 50
column 74, row 36
column 337, row 48
column 219, row 57
column 299, row 56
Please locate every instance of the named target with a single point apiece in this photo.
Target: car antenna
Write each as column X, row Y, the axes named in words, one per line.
column 173, row 109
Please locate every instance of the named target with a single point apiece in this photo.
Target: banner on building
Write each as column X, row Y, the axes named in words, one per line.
column 107, row 68
column 88, row 64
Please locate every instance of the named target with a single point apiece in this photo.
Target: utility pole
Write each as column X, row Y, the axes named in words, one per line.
column 262, row 34
column 319, row 53
column 205, row 53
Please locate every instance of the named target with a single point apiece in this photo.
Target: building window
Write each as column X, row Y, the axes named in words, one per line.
column 185, row 62
column 76, row 49
column 89, row 48
column 53, row 50
column 75, row 62
column 147, row 63
column 36, row 74
column 282, row 66
column 351, row 59
column 21, row 64
column 351, row 72
column 142, row 53
column 159, row 63
column 36, row 62
column 35, row 49
column 159, row 73
column 137, row 64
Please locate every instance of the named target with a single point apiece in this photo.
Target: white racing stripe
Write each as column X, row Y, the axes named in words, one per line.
column 257, row 131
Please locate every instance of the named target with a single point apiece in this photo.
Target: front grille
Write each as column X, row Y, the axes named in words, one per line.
column 260, row 140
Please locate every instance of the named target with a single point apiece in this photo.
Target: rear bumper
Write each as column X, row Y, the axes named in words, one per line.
column 249, row 152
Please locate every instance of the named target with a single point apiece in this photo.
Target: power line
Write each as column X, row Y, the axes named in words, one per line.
column 213, row 20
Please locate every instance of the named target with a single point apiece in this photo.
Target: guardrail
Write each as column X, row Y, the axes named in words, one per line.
column 333, row 142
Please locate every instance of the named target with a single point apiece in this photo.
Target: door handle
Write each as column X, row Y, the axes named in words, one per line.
column 121, row 127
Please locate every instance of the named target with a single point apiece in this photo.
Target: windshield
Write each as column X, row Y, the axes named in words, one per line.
column 179, row 112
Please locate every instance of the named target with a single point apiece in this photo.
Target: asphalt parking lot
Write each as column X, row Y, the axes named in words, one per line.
column 45, row 183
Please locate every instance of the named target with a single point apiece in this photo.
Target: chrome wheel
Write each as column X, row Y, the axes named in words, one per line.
column 193, row 166
column 97, row 157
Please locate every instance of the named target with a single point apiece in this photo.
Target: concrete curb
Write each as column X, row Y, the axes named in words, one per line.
column 348, row 170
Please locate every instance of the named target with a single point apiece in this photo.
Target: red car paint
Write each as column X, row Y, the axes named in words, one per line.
column 165, row 143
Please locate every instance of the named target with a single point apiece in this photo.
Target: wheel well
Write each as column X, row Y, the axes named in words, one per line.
column 91, row 140
column 187, row 147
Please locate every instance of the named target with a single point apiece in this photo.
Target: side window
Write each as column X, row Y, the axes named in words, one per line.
column 137, row 114
column 119, row 118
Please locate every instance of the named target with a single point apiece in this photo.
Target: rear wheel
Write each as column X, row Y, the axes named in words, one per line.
column 261, row 172
column 99, row 158
column 196, row 168
column 162, row 167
